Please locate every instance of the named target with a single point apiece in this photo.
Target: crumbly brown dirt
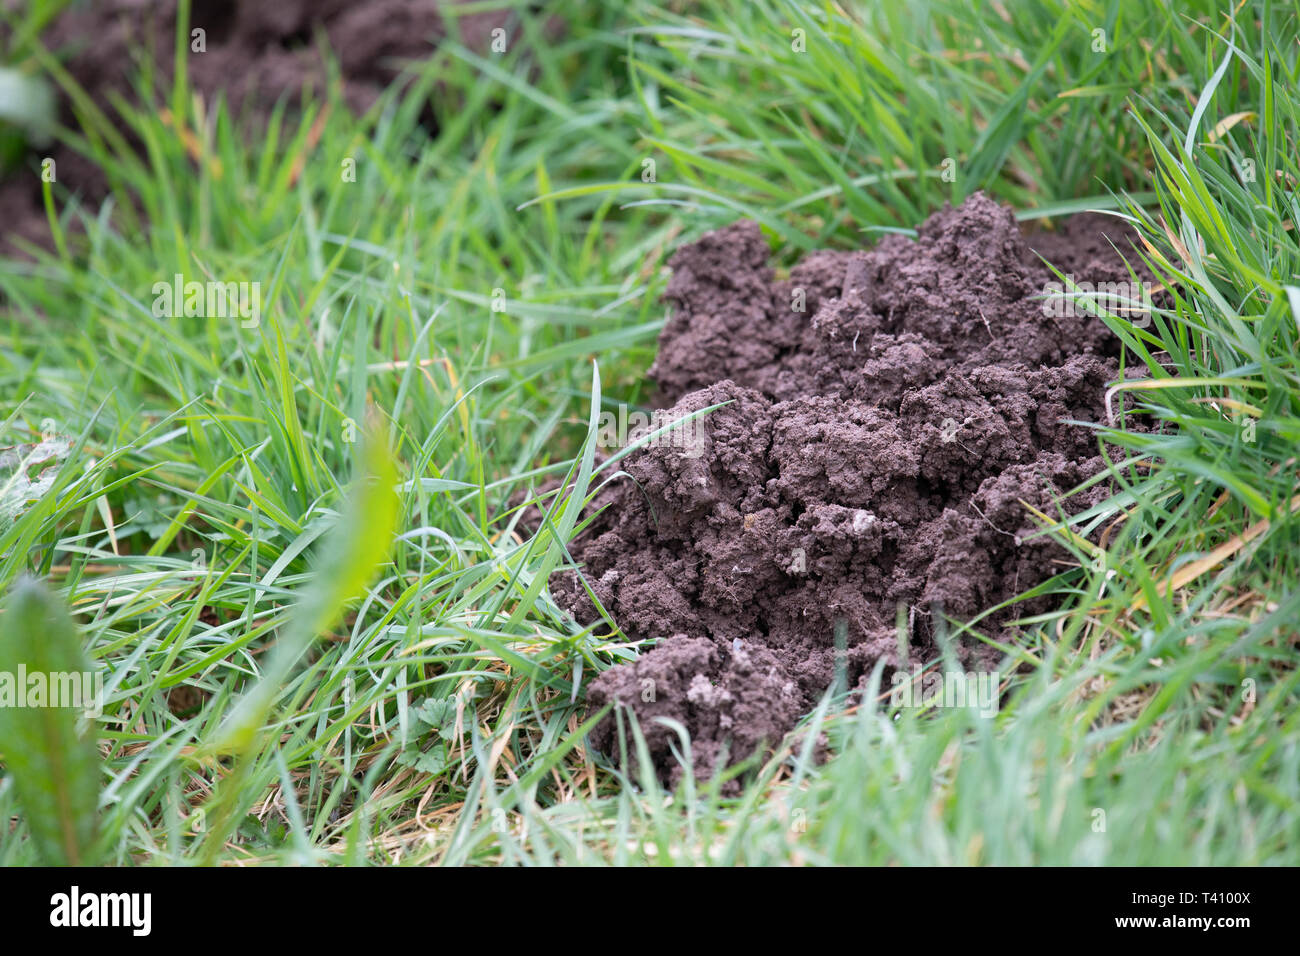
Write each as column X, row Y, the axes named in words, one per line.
column 258, row 52
column 874, row 454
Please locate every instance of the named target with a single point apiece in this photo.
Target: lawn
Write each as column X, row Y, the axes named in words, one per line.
column 295, row 540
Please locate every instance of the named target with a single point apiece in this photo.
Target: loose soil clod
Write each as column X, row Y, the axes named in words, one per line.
column 875, row 453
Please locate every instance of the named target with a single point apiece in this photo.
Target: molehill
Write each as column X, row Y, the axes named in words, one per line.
column 876, row 453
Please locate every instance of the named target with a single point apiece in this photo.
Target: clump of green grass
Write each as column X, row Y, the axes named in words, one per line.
column 204, row 461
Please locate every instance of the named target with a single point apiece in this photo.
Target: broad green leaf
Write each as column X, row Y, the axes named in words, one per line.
column 55, row 766
column 355, row 547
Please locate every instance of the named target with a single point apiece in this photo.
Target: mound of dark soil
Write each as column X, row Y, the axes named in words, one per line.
column 255, row 53
column 874, row 454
